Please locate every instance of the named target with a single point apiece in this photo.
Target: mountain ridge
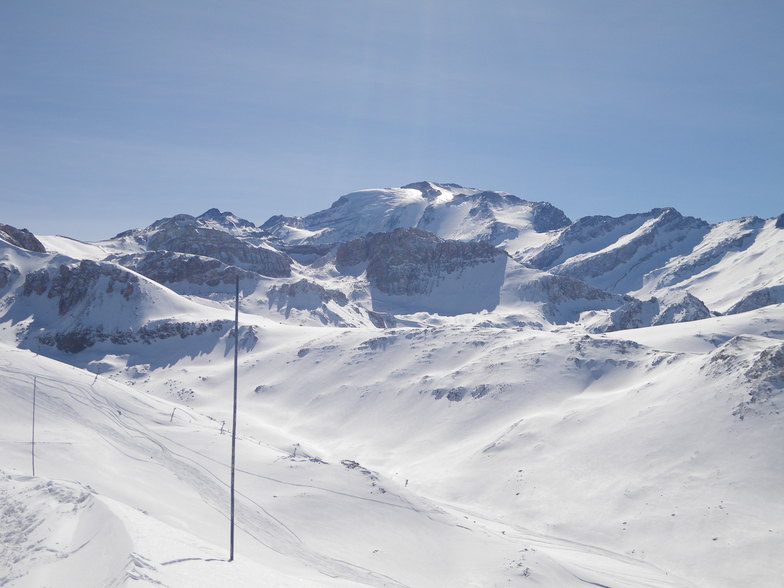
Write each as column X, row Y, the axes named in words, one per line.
column 598, row 402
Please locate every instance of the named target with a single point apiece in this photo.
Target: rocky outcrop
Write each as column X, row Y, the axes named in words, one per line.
column 188, row 238
column 7, row 275
column 758, row 365
column 72, row 283
column 219, row 235
column 303, row 295
column 168, row 267
column 306, row 300
column 758, row 299
column 673, row 307
column 21, row 238
column 563, row 299
column 229, row 222
column 306, row 254
column 408, row 262
column 77, row 340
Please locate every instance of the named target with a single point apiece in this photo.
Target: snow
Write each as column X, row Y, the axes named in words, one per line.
column 73, row 248
column 487, row 440
column 734, row 259
column 154, row 508
column 486, row 443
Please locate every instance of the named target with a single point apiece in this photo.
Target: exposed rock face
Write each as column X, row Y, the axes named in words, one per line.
column 304, row 295
column 565, row 298
column 77, row 340
column 168, row 267
column 758, row 363
column 766, row 374
column 331, row 307
column 227, row 221
column 758, row 299
column 21, row 238
column 382, row 320
column 187, row 238
column 591, row 249
column 407, row 262
column 457, row 394
column 219, row 235
column 72, row 283
column 306, row 254
column 547, row 217
column 674, row 307
column 780, row 222
column 7, row 274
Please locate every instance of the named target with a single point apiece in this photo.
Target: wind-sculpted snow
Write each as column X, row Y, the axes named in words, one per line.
column 61, row 529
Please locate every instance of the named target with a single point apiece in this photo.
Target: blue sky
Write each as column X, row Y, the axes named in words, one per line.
column 114, row 114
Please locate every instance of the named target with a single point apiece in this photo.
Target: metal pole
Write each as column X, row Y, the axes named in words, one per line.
column 32, row 444
column 234, row 418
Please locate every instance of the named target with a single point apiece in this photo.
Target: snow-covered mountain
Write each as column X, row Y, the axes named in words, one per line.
column 438, row 386
column 449, row 211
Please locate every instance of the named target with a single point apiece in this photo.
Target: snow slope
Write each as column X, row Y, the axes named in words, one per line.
column 735, row 260
column 148, row 502
column 449, row 211
column 613, row 462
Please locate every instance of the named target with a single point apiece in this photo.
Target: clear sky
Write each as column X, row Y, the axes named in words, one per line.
column 117, row 113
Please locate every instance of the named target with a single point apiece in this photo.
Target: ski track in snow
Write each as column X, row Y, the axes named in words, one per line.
column 256, row 521
column 126, row 432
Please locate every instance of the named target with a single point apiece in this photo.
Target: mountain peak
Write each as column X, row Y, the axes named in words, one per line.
column 213, row 213
column 432, row 190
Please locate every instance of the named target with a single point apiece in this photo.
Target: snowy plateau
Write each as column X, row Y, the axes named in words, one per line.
column 438, row 387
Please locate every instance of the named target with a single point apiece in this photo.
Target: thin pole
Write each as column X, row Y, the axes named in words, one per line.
column 32, row 444
column 234, row 418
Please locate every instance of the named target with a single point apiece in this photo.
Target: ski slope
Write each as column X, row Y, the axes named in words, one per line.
column 460, row 456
